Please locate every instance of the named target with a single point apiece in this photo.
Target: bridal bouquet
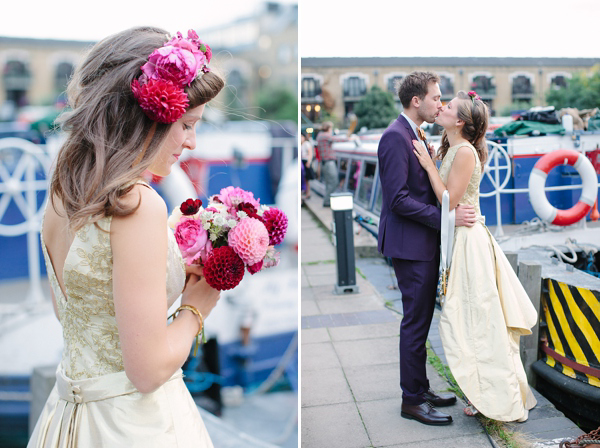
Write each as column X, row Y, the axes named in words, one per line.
column 234, row 233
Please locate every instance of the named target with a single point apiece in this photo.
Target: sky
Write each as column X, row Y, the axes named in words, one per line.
column 93, row 20
column 465, row 28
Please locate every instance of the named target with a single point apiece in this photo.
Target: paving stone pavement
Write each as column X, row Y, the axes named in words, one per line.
column 349, row 356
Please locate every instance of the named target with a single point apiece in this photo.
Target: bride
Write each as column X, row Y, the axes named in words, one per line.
column 113, row 264
column 486, row 309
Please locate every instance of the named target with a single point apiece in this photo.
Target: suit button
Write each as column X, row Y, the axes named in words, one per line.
column 76, row 390
column 78, row 399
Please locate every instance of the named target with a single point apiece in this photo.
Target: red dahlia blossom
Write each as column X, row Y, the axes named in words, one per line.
column 160, row 100
column 276, row 223
column 190, row 206
column 224, row 269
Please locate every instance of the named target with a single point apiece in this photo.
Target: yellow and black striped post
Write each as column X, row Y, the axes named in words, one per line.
column 572, row 318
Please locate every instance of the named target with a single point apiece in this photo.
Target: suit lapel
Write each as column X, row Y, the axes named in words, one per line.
column 406, row 124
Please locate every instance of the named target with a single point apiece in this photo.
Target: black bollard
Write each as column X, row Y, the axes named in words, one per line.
column 341, row 206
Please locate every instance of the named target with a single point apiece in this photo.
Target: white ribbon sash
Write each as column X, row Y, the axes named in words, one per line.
column 447, row 240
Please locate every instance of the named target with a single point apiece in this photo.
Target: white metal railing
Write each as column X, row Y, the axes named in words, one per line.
column 495, row 153
column 21, row 186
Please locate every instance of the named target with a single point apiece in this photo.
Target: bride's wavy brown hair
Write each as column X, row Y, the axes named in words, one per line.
column 475, row 114
column 110, row 141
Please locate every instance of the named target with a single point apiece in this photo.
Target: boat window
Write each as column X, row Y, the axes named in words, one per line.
column 365, row 189
column 353, row 177
column 342, row 169
column 379, row 200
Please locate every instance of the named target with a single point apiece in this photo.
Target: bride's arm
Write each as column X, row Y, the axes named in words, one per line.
column 152, row 351
column 458, row 178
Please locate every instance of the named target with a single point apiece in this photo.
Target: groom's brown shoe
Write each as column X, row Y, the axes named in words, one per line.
column 439, row 400
column 426, row 414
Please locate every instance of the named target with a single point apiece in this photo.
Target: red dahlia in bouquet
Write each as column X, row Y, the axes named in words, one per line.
column 234, row 233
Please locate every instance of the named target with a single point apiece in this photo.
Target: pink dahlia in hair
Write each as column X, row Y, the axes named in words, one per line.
column 249, row 239
column 160, row 100
column 276, row 223
column 224, row 269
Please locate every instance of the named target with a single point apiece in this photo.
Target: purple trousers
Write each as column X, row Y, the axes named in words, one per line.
column 417, row 281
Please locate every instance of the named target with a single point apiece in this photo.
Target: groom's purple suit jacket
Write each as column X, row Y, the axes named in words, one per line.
column 410, row 219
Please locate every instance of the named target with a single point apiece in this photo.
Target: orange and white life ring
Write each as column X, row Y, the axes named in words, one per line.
column 537, row 182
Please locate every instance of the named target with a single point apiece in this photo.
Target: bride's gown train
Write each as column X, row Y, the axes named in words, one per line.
column 93, row 404
column 485, row 313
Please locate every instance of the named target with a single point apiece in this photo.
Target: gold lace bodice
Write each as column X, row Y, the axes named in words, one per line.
column 87, row 315
column 471, row 196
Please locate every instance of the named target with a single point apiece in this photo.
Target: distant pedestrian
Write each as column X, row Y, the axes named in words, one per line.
column 307, row 151
column 329, row 170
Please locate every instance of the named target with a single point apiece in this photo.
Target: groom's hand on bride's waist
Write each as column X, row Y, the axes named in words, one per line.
column 465, row 216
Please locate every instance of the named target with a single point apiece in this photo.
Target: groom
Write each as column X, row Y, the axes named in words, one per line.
column 409, row 234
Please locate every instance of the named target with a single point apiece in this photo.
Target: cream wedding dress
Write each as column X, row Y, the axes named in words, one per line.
column 485, row 313
column 93, row 404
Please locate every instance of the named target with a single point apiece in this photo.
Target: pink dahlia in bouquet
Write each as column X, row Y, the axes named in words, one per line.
column 234, row 233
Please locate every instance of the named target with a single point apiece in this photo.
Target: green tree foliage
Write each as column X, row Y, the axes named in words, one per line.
column 278, row 104
column 376, row 109
column 582, row 92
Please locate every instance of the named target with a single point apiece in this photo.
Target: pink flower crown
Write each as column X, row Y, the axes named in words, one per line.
column 473, row 95
column 160, row 89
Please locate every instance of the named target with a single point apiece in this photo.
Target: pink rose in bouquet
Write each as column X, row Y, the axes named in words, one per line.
column 193, row 240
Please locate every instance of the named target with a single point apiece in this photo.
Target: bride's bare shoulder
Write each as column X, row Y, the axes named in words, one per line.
column 55, row 220
column 150, row 206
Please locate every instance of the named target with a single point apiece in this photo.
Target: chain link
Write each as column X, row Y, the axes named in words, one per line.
column 583, row 440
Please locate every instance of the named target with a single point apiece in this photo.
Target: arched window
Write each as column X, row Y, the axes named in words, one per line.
column 521, row 85
column 16, row 79
column 392, row 84
column 483, row 85
column 446, row 86
column 558, row 82
column 354, row 86
column 64, row 70
column 311, row 87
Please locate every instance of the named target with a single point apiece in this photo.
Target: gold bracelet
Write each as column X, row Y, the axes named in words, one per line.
column 194, row 310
